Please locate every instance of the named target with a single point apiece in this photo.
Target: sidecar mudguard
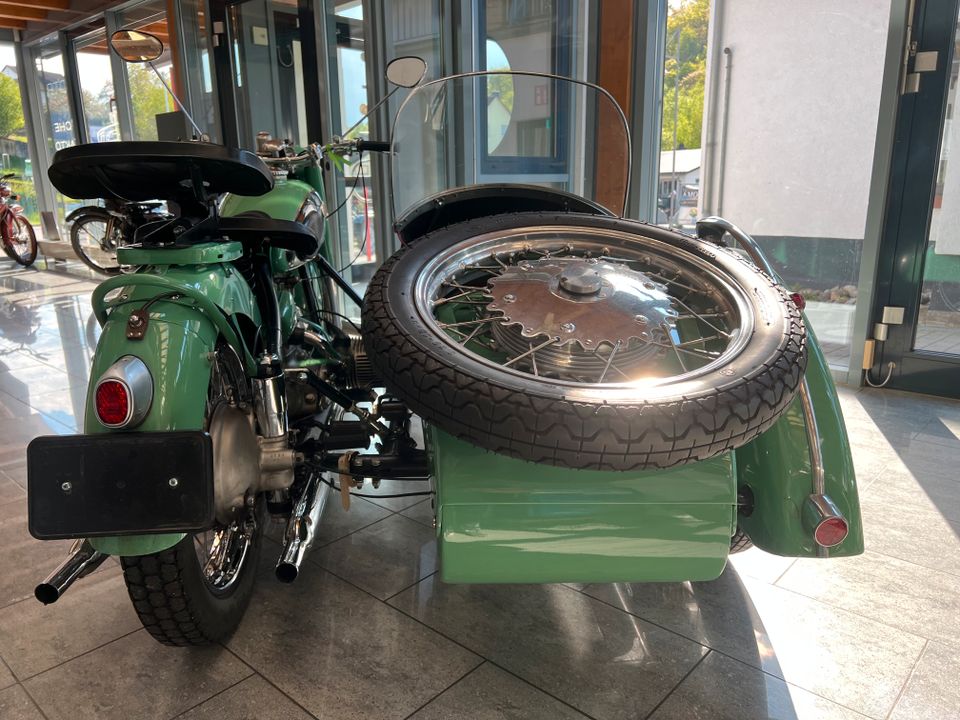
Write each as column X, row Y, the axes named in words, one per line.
column 176, row 348
column 774, row 472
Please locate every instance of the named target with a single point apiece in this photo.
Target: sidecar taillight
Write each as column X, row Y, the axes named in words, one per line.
column 799, row 300
column 830, row 532
column 124, row 393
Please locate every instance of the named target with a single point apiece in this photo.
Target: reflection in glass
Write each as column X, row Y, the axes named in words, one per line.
column 938, row 324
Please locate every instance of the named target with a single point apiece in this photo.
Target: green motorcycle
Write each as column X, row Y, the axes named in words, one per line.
column 602, row 400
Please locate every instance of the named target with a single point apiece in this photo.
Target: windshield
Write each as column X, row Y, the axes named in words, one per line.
column 510, row 128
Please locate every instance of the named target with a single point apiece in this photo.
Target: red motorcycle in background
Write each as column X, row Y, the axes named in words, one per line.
column 16, row 232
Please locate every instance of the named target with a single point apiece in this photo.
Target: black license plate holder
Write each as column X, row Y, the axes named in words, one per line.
column 119, row 484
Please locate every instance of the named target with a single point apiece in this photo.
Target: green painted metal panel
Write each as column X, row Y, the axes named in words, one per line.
column 506, row 520
column 776, row 468
column 175, row 348
column 283, row 202
column 200, row 254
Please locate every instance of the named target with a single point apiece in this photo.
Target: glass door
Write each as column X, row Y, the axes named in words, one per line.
column 921, row 246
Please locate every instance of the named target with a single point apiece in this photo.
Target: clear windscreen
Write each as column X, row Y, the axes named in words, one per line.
column 513, row 128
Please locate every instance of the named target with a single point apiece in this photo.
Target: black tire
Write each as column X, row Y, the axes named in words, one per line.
column 170, row 595
column 76, row 241
column 537, row 420
column 26, row 255
column 740, row 542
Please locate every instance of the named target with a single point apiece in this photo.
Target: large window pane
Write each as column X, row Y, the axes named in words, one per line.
column 148, row 96
column 774, row 108
column 96, row 87
column 14, row 151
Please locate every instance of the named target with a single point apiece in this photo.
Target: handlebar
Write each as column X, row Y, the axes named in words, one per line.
column 373, row 146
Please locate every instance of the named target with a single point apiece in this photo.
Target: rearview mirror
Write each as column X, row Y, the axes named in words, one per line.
column 406, row 71
column 134, row 46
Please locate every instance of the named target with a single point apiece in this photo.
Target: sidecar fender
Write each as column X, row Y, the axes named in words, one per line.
column 775, row 477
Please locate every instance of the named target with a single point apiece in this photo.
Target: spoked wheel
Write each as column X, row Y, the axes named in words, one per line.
column 585, row 342
column 22, row 247
column 95, row 240
column 197, row 591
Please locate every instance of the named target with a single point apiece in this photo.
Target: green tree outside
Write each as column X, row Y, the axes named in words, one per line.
column 11, row 110
column 148, row 98
column 691, row 19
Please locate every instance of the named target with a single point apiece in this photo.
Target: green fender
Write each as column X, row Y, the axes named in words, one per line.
column 776, row 469
column 176, row 348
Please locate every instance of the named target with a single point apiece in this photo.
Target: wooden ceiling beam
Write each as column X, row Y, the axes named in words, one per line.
column 13, row 24
column 45, row 4
column 18, row 12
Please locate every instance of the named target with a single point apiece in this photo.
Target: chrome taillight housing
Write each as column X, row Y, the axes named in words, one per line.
column 123, row 394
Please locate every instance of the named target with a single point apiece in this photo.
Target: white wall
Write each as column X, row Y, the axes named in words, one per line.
column 802, row 115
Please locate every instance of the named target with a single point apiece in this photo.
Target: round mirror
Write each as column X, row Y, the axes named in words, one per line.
column 135, row 46
column 406, row 71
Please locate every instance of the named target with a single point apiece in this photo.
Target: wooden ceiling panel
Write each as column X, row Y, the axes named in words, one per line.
column 13, row 24
column 19, row 12
column 46, row 4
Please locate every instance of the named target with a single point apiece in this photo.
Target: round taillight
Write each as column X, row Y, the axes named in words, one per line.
column 830, row 532
column 799, row 300
column 113, row 402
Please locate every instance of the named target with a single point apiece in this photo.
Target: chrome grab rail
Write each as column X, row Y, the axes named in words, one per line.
column 818, row 506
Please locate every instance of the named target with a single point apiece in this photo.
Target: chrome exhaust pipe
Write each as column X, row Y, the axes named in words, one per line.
column 83, row 560
column 302, row 528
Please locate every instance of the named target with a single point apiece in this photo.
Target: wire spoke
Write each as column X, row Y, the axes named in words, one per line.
column 699, row 317
column 549, row 341
column 606, row 369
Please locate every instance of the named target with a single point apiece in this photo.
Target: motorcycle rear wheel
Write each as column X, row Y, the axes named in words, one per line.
column 23, row 246
column 90, row 241
column 584, row 342
column 197, row 591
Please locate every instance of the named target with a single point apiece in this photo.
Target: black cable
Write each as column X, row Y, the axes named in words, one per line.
column 366, row 221
column 339, row 315
column 346, row 196
column 396, row 495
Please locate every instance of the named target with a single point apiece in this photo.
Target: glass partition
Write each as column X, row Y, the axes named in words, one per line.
column 56, row 130
column 147, row 95
column 14, row 149
column 98, row 102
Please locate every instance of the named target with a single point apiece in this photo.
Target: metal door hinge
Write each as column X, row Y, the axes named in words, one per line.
column 923, row 62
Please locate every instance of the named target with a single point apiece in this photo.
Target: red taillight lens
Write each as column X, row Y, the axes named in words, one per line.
column 799, row 300
column 830, row 532
column 113, row 402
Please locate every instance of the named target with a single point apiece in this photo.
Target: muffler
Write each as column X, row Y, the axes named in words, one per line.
column 302, row 528
column 83, row 560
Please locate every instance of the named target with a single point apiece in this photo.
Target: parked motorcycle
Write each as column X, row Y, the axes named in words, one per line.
column 16, row 232
column 98, row 231
column 603, row 400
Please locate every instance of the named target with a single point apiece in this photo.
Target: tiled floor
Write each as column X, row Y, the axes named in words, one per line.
column 368, row 631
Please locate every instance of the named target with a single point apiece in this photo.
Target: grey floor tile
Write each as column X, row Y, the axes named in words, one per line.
column 333, row 648
column 35, row 380
column 783, row 633
column 604, row 662
column 916, row 532
column 933, row 692
column 337, row 522
column 15, row 704
column 758, row 564
column 16, row 470
column 6, row 677
column 422, row 512
column 251, row 699
column 723, row 689
column 95, row 611
column 394, row 487
column 135, row 677
column 383, row 558
column 10, row 491
column 901, row 594
column 924, row 491
column 24, row 561
column 489, row 693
